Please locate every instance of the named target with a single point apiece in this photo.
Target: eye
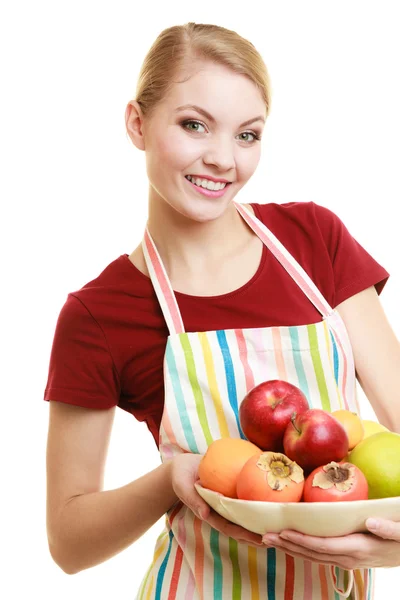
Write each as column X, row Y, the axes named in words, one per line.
column 192, row 122
column 256, row 137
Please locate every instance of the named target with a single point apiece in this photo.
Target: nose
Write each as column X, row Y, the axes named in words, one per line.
column 220, row 154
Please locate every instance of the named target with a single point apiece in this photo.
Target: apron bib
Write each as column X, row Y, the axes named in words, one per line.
column 206, row 376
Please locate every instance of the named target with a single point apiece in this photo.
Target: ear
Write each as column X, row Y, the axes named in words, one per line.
column 134, row 124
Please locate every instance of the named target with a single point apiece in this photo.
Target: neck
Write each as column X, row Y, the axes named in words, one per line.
column 188, row 246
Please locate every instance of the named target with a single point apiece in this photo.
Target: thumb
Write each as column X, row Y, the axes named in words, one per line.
column 388, row 530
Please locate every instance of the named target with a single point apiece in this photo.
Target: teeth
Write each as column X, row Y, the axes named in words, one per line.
column 206, row 183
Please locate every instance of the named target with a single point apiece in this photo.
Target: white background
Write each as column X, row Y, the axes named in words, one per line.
column 75, row 197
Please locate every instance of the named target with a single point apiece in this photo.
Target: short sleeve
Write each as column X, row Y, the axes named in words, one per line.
column 354, row 269
column 81, row 369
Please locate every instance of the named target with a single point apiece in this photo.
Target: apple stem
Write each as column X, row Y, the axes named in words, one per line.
column 292, row 418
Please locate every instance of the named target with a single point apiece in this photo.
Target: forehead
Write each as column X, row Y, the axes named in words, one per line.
column 217, row 89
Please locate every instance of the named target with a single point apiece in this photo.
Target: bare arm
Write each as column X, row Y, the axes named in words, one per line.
column 376, row 353
column 85, row 525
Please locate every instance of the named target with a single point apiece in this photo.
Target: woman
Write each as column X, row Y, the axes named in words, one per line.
column 217, row 295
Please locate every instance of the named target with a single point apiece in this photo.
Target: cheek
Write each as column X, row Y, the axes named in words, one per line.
column 247, row 162
column 177, row 152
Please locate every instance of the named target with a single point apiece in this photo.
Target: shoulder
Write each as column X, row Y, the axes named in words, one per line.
column 114, row 283
column 303, row 221
column 118, row 295
column 297, row 222
column 113, row 274
column 294, row 212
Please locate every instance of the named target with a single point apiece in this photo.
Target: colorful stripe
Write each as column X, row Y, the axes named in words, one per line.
column 230, row 378
column 371, row 583
column 301, row 375
column 175, row 574
column 196, row 388
column 218, row 569
column 289, row 578
column 280, row 363
column 308, row 583
column 163, row 566
column 180, row 401
column 334, row 361
column 144, row 583
column 213, row 385
column 162, row 542
column 178, row 560
column 236, row 575
column 323, row 583
column 243, row 355
column 253, row 574
column 199, row 556
column 150, row 590
column 190, row 589
column 359, row 584
column 318, row 367
column 271, row 573
column 344, row 382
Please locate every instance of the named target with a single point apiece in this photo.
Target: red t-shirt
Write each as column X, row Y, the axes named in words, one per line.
column 110, row 337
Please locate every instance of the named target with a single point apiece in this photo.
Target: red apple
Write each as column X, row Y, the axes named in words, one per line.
column 315, row 438
column 266, row 411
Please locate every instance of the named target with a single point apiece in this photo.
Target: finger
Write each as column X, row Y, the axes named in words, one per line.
column 344, row 545
column 199, row 508
column 388, row 530
column 195, row 502
column 202, row 510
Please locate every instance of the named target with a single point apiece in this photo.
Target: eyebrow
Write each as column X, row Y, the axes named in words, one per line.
column 211, row 118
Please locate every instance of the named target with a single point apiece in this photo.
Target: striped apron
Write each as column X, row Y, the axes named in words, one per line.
column 206, row 376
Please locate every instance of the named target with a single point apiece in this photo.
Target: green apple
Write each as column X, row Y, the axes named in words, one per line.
column 378, row 457
column 371, row 427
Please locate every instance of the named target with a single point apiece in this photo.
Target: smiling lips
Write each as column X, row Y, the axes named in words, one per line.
column 207, row 187
column 208, row 184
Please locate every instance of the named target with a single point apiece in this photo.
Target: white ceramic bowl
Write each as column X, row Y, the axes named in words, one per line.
column 326, row 519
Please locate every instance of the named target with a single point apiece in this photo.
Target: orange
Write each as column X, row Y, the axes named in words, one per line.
column 221, row 464
column 352, row 424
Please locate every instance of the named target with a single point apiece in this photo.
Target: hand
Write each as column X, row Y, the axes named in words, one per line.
column 380, row 548
column 184, row 474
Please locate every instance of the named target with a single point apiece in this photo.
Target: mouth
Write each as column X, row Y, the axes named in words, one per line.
column 208, row 188
column 208, row 182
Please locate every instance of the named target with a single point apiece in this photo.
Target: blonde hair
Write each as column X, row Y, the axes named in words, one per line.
column 180, row 46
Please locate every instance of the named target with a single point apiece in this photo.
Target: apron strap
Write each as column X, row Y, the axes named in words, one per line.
column 293, row 268
column 162, row 285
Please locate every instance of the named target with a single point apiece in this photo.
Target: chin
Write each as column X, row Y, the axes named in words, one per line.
column 204, row 212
